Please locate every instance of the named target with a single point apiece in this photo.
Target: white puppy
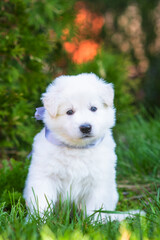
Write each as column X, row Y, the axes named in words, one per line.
column 74, row 154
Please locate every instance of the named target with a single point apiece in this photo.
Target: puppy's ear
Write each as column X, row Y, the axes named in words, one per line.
column 108, row 94
column 49, row 100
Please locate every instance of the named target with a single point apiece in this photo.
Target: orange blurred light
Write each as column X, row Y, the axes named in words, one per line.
column 70, row 47
column 86, row 51
column 89, row 24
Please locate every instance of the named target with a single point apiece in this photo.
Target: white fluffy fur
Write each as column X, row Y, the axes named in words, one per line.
column 87, row 175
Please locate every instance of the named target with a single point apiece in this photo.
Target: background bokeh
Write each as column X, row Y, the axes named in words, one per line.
column 40, row 40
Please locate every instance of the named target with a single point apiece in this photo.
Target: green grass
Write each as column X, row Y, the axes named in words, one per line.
column 138, row 147
column 138, row 172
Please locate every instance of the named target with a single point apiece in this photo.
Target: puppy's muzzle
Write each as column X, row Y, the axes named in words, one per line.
column 86, row 128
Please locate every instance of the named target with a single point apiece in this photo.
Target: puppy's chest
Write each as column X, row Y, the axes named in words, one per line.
column 74, row 164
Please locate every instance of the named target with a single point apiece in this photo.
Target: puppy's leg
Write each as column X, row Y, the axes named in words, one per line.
column 39, row 193
column 100, row 198
column 123, row 215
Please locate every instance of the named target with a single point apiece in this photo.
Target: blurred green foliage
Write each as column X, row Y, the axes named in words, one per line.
column 12, row 178
column 138, row 147
column 25, row 48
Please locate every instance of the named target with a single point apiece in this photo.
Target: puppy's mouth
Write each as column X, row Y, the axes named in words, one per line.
column 86, row 136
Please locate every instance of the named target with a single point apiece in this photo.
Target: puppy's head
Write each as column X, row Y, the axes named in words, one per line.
column 79, row 109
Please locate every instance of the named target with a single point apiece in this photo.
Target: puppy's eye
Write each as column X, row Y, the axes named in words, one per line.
column 70, row 112
column 93, row 109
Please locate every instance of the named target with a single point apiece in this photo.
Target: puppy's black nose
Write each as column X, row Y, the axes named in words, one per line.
column 85, row 128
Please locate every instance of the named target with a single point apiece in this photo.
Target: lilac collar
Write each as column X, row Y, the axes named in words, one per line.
column 39, row 114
